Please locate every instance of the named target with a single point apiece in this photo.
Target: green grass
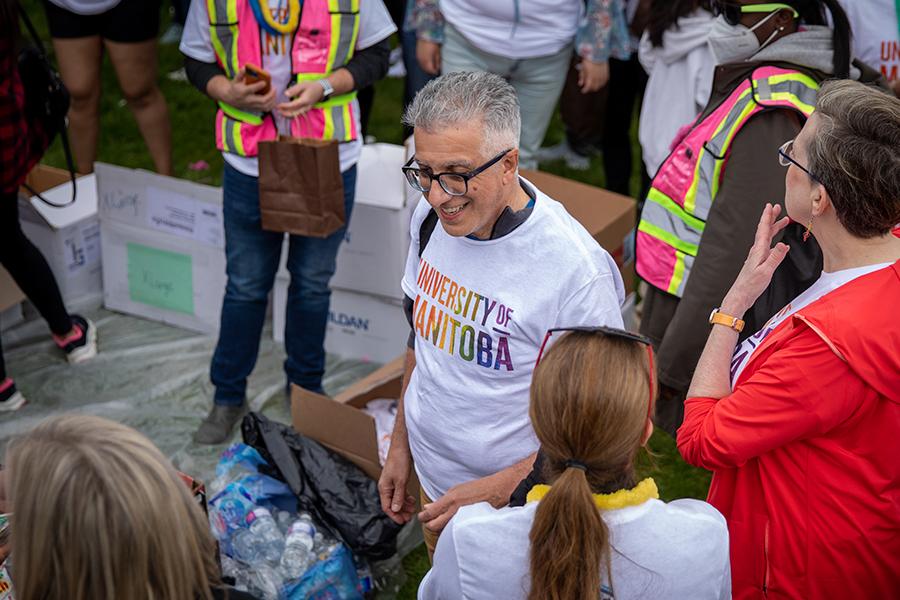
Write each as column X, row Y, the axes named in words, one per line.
column 193, row 140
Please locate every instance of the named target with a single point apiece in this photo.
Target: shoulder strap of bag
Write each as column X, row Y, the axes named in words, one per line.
column 63, row 129
column 427, row 228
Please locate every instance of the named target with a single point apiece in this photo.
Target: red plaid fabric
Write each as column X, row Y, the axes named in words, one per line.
column 21, row 146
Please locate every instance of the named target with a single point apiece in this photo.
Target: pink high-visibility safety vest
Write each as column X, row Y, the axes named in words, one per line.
column 324, row 41
column 683, row 190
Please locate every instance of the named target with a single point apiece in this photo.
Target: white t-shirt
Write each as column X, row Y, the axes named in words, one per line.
column 662, row 551
column 876, row 38
column 544, row 27
column 86, row 7
column 375, row 24
column 489, row 304
column 827, row 283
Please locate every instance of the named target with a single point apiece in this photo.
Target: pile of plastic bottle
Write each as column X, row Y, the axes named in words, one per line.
column 270, row 549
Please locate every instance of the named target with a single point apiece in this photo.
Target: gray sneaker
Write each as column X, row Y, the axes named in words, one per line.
column 218, row 424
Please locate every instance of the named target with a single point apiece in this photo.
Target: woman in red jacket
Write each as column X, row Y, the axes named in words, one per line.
column 801, row 422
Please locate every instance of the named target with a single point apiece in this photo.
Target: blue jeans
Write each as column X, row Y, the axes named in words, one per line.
column 252, row 257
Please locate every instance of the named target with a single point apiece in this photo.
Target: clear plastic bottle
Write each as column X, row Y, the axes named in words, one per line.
column 284, row 520
column 245, row 546
column 318, row 543
column 298, row 547
column 265, row 582
column 270, row 542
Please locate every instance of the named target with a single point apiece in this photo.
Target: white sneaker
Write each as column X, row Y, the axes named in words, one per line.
column 82, row 344
column 10, row 398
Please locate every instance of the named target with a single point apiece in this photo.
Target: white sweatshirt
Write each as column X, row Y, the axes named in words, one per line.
column 681, row 73
column 663, row 551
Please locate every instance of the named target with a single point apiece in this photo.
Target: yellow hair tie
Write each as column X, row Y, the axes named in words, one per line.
column 639, row 494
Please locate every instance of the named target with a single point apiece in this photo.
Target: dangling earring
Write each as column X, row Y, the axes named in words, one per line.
column 808, row 231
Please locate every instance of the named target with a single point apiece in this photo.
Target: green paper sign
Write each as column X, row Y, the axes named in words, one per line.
column 161, row 278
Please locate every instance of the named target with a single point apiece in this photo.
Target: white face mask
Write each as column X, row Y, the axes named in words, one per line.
column 733, row 43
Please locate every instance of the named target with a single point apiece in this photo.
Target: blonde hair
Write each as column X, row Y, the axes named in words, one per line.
column 100, row 514
column 590, row 400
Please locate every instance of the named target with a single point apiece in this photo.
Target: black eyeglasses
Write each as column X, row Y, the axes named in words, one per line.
column 732, row 11
column 455, row 184
column 785, row 159
column 611, row 332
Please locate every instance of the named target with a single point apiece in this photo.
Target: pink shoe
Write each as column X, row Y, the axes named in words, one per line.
column 81, row 344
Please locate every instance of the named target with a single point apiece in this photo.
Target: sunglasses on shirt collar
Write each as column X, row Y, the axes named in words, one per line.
column 609, row 332
column 732, row 11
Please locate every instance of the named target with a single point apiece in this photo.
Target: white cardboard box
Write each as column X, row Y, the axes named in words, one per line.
column 372, row 256
column 162, row 245
column 360, row 326
column 68, row 237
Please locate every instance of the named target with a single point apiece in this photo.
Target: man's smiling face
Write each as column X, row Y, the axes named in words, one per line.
column 458, row 149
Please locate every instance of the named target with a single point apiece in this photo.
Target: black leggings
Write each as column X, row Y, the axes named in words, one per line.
column 30, row 271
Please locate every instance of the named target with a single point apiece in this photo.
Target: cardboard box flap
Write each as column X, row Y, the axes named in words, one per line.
column 56, row 186
column 607, row 216
column 380, row 181
column 366, row 465
column 334, row 424
column 385, row 382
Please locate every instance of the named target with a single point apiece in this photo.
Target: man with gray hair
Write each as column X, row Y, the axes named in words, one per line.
column 493, row 264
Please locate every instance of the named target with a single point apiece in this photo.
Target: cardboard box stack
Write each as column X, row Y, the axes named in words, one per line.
column 366, row 320
column 162, row 246
column 69, row 236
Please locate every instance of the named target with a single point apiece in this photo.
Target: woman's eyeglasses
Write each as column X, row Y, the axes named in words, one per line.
column 785, row 159
column 610, row 332
column 732, row 11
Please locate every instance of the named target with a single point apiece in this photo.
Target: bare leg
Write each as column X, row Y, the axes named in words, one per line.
column 79, row 64
column 136, row 68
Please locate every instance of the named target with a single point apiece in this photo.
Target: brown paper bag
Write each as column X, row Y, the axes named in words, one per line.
column 300, row 186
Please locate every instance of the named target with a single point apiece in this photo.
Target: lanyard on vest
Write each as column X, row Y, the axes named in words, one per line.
column 263, row 15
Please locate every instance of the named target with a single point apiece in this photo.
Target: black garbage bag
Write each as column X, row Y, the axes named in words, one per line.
column 328, row 486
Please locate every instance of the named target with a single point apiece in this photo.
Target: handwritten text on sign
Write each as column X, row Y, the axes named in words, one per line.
column 161, row 278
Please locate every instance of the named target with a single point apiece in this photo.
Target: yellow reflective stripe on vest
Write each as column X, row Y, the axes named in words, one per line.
column 344, row 23
column 687, row 222
column 223, row 29
column 240, row 115
column 232, row 141
column 729, row 137
column 708, row 165
column 678, row 273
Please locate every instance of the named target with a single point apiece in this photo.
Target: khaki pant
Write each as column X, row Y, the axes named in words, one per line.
column 538, row 82
column 431, row 538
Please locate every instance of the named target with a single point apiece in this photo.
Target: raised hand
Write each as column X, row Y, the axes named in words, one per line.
column 760, row 265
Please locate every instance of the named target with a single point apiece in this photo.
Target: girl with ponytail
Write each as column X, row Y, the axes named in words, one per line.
column 594, row 532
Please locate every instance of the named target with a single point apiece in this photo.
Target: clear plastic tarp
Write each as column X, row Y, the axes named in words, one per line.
column 148, row 375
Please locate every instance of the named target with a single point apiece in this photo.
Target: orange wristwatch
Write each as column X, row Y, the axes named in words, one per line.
column 720, row 318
